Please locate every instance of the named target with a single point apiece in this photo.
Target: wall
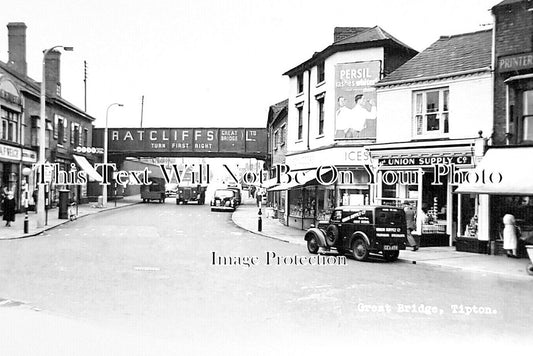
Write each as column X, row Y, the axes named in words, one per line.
column 470, row 109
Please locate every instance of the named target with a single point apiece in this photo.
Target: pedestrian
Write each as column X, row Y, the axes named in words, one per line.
column 8, row 206
column 511, row 233
column 35, row 196
column 410, row 219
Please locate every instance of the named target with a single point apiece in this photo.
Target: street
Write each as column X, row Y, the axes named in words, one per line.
column 162, row 272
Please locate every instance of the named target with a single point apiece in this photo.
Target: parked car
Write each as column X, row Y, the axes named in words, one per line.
column 191, row 194
column 171, row 189
column 154, row 191
column 361, row 230
column 237, row 194
column 223, row 199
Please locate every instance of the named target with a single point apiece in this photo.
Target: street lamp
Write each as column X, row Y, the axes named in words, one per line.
column 42, row 137
column 104, row 186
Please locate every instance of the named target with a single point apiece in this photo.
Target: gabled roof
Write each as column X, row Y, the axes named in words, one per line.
column 34, row 88
column 368, row 38
column 276, row 110
column 448, row 56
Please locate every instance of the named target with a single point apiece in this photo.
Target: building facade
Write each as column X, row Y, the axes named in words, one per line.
column 331, row 115
column 68, row 128
column 434, row 113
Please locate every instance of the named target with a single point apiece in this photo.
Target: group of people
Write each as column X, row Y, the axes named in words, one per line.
column 7, row 200
column 350, row 122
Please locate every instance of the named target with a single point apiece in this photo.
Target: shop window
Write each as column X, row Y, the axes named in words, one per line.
column 528, row 116
column 431, row 112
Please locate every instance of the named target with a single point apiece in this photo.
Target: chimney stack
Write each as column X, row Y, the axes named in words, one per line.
column 17, row 46
column 52, row 73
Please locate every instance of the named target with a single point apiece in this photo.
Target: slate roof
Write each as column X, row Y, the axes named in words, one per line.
column 448, row 56
column 508, row 2
column 275, row 110
column 371, row 37
column 33, row 87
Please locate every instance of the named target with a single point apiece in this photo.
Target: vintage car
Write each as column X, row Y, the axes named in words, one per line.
column 190, row 194
column 154, row 191
column 237, row 194
column 361, row 230
column 171, row 189
column 223, row 199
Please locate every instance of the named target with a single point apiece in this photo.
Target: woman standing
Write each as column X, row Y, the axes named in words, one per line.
column 9, row 208
column 510, row 235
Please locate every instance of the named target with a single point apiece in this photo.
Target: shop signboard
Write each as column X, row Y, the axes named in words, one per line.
column 10, row 152
column 515, row 62
column 425, row 161
column 160, row 141
column 355, row 99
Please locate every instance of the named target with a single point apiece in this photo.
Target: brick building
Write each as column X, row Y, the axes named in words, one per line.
column 67, row 127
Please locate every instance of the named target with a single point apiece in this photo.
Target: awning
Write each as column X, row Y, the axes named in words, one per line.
column 304, row 179
column 513, row 165
column 519, row 77
column 87, row 168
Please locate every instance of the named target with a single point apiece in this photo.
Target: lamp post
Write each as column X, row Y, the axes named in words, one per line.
column 26, row 196
column 104, row 187
column 42, row 136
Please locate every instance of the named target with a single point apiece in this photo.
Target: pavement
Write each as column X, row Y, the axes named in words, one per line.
column 16, row 231
column 246, row 217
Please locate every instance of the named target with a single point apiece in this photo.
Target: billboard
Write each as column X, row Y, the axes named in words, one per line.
column 186, row 141
column 355, row 99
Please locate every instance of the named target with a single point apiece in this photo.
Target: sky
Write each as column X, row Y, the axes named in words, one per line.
column 208, row 63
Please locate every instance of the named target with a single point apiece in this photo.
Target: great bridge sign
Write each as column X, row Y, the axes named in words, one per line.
column 185, row 142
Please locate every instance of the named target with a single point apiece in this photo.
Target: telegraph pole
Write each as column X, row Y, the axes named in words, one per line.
column 142, row 109
column 85, row 84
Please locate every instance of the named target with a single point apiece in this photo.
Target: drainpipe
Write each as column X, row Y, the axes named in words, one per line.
column 308, row 106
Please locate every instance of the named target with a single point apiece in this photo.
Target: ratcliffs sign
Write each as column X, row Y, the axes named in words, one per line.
column 183, row 141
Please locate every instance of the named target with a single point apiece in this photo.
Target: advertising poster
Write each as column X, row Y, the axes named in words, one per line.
column 355, row 105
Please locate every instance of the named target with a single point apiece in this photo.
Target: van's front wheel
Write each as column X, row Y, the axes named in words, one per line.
column 360, row 250
column 391, row 256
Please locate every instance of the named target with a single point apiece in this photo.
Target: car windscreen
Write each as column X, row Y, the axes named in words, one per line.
column 390, row 216
column 226, row 193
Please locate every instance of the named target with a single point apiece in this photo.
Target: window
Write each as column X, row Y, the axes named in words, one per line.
column 60, row 129
column 528, row 115
column 85, row 139
column 282, row 135
column 321, row 115
column 431, row 112
column 276, row 140
column 10, row 125
column 300, row 83
column 300, row 122
column 75, row 134
column 320, row 74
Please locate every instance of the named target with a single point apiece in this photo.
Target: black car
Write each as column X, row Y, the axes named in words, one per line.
column 237, row 194
column 361, row 230
column 224, row 199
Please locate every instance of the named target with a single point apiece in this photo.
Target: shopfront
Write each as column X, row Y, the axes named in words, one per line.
column 426, row 178
column 343, row 180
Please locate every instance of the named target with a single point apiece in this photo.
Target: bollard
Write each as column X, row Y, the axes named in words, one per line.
column 259, row 221
column 26, row 223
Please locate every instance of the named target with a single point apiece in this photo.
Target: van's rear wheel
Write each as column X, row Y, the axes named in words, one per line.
column 360, row 250
column 312, row 245
column 391, row 256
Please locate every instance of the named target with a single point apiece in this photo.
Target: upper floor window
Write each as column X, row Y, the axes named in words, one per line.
column 300, row 122
column 528, row 115
column 320, row 73
column 320, row 101
column 60, row 129
column 282, row 135
column 85, row 139
column 276, row 140
column 300, row 83
column 10, row 125
column 75, row 134
column 431, row 112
